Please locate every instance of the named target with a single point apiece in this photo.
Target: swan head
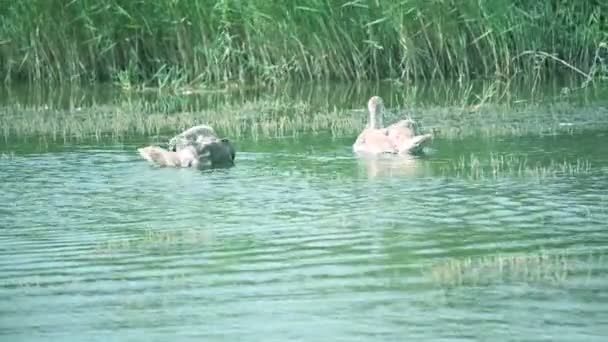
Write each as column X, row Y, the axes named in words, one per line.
column 375, row 105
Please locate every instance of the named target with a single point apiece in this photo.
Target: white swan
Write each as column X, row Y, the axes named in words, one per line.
column 398, row 138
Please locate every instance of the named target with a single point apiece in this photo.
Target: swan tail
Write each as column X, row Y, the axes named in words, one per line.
column 416, row 144
column 157, row 155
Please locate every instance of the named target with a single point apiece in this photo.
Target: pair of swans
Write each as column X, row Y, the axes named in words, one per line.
column 200, row 147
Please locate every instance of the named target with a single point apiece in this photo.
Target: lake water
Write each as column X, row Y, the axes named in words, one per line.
column 303, row 241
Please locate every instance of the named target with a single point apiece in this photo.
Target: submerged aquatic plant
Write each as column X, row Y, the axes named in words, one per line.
column 539, row 267
column 152, row 239
column 253, row 119
column 502, row 166
column 448, row 112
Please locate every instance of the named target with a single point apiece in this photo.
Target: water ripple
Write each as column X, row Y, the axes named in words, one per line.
column 320, row 242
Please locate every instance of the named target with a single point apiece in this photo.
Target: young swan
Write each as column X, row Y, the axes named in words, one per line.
column 201, row 153
column 212, row 150
column 398, row 138
column 185, row 157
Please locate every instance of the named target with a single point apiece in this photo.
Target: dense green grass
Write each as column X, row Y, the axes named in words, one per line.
column 194, row 42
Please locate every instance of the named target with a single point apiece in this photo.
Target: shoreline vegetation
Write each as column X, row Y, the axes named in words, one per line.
column 206, row 46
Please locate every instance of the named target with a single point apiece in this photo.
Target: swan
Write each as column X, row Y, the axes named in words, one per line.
column 398, row 138
column 197, row 147
column 186, row 157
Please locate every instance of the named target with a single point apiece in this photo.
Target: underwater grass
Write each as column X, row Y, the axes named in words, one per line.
column 7, row 155
column 157, row 239
column 184, row 43
column 487, row 108
column 506, row 166
column 534, row 268
column 254, row 120
column 276, row 117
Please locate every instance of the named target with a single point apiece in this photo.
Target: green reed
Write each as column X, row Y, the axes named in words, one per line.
column 183, row 43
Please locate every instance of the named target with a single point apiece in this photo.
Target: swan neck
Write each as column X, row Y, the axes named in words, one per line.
column 375, row 118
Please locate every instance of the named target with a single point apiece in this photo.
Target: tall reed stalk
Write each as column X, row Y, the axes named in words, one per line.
column 260, row 41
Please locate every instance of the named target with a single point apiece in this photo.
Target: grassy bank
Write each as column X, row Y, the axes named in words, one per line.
column 195, row 42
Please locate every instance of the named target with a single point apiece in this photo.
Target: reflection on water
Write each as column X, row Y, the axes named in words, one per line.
column 393, row 165
column 301, row 240
column 319, row 95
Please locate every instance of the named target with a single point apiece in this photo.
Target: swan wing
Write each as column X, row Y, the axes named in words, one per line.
column 415, row 144
column 374, row 141
column 190, row 136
